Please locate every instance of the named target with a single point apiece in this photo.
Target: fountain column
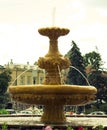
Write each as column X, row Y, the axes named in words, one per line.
column 53, row 113
column 53, row 63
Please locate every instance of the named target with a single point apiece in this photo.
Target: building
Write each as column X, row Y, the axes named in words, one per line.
column 25, row 74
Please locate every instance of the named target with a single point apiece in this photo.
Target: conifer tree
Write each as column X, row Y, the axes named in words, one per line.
column 76, row 72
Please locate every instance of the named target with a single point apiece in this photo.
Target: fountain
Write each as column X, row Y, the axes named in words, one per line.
column 53, row 94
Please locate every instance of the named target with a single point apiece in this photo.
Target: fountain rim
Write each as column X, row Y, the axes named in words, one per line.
column 53, row 89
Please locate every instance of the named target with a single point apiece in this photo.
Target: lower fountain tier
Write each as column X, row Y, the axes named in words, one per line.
column 56, row 94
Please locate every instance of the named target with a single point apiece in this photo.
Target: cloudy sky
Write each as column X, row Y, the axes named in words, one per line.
column 21, row 19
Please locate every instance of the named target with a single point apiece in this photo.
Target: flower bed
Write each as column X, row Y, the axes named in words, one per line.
column 17, row 127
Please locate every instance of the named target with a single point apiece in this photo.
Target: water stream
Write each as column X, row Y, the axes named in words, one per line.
column 18, row 76
column 86, row 81
column 83, row 77
column 62, row 82
column 81, row 74
column 76, row 70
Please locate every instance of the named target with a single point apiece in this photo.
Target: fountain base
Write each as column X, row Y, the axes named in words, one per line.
column 33, row 122
column 53, row 114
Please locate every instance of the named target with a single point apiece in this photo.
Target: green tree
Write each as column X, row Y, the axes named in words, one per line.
column 5, row 78
column 94, row 59
column 95, row 78
column 77, row 63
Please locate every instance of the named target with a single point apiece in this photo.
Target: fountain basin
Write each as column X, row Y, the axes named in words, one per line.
column 53, row 97
column 41, row 94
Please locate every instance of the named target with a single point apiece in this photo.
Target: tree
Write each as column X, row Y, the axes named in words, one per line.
column 77, row 70
column 94, row 59
column 95, row 78
column 5, row 78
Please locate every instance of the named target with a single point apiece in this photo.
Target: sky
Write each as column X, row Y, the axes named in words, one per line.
column 21, row 19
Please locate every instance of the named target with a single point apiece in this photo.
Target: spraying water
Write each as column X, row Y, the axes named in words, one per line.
column 19, row 76
column 86, row 81
column 81, row 74
column 75, row 69
column 60, row 75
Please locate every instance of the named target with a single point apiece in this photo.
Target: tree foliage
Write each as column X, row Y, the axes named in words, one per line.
column 96, row 79
column 5, row 78
column 77, row 66
column 95, row 76
column 94, row 59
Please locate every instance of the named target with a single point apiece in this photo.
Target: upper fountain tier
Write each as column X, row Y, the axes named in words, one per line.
column 53, row 32
column 53, row 62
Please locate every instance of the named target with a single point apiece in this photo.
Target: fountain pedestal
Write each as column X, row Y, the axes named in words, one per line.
column 53, row 114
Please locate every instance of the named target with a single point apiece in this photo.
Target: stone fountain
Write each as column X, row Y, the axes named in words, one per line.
column 53, row 94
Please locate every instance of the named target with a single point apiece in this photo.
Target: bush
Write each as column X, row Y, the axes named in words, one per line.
column 3, row 111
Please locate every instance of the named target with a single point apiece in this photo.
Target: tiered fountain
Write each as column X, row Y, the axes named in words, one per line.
column 52, row 93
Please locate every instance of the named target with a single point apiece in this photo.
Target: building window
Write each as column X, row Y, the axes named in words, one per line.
column 28, row 79
column 22, row 80
column 34, row 80
column 41, row 79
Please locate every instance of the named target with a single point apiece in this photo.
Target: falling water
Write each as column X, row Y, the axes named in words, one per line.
column 84, row 78
column 60, row 75
column 62, row 82
column 19, row 76
column 81, row 74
